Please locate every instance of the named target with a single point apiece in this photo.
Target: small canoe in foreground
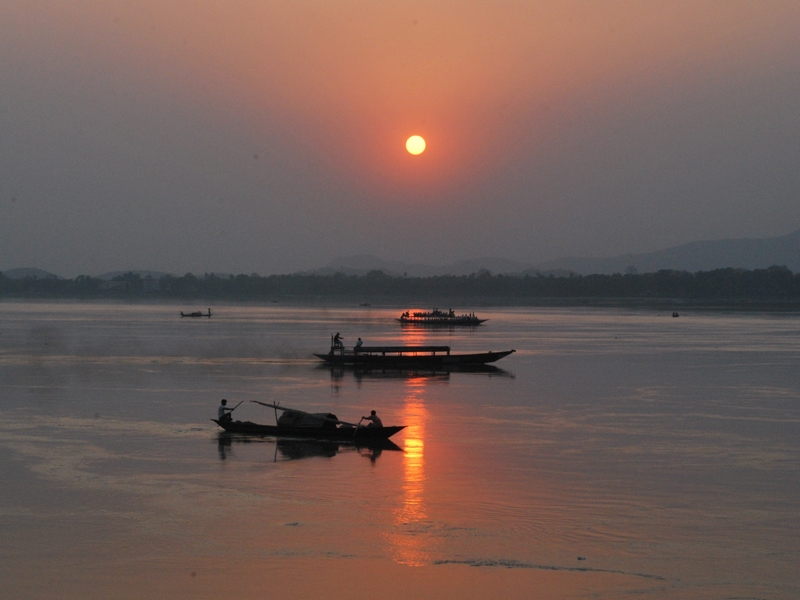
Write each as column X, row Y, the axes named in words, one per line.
column 336, row 434
column 294, row 423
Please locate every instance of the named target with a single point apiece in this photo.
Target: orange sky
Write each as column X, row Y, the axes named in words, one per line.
column 501, row 91
column 352, row 80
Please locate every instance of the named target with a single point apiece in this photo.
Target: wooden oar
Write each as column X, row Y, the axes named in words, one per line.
column 273, row 405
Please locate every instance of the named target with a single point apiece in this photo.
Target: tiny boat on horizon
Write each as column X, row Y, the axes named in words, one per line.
column 197, row 313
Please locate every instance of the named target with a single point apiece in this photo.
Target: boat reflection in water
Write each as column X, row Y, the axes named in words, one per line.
column 338, row 373
column 412, row 516
column 288, row 449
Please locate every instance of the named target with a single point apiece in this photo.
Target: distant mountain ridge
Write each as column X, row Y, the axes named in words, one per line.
column 141, row 273
column 361, row 264
column 695, row 256
column 746, row 253
column 24, row 272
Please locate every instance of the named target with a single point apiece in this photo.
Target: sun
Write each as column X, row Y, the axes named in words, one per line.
column 415, row 145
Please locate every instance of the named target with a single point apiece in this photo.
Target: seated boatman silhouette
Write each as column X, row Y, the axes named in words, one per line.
column 223, row 412
column 376, row 421
column 338, row 341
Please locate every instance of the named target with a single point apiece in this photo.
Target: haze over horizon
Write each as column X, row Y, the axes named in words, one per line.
column 270, row 137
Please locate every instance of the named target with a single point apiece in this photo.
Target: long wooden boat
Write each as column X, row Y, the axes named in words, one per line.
column 335, row 434
column 197, row 313
column 439, row 317
column 295, row 423
column 429, row 357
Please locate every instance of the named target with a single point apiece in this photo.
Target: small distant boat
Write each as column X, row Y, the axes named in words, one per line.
column 428, row 357
column 439, row 317
column 294, row 423
column 197, row 313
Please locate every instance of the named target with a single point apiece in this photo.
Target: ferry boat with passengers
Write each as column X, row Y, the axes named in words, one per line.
column 439, row 317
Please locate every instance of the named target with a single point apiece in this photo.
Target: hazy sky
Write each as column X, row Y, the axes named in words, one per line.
column 269, row 137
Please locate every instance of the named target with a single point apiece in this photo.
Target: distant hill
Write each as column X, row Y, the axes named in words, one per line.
column 29, row 272
column 692, row 257
column 695, row 256
column 140, row 273
column 746, row 254
column 362, row 264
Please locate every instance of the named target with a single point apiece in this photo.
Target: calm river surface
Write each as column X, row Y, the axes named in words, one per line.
column 617, row 452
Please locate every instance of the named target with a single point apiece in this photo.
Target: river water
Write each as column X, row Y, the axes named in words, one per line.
column 617, row 452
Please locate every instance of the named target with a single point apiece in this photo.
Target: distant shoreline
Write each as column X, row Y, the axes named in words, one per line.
column 666, row 305
column 772, row 289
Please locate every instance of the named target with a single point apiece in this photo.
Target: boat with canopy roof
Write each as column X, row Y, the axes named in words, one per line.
column 294, row 423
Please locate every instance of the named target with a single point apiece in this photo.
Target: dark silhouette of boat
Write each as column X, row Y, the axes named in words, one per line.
column 197, row 313
column 405, row 357
column 294, row 423
column 439, row 317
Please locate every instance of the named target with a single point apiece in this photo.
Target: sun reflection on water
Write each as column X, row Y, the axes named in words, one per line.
column 414, row 336
column 411, row 516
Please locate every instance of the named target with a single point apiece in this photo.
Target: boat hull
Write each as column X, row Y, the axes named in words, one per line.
column 334, row 434
column 441, row 322
column 436, row 361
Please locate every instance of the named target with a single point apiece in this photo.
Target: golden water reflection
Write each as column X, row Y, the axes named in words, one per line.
column 415, row 336
column 408, row 543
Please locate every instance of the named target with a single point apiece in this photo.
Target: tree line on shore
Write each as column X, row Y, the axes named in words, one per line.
column 776, row 283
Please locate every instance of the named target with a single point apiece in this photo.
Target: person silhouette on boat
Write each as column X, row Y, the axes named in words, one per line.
column 338, row 341
column 374, row 419
column 223, row 412
column 359, row 343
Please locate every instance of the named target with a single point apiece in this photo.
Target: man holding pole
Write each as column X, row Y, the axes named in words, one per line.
column 223, row 412
column 374, row 419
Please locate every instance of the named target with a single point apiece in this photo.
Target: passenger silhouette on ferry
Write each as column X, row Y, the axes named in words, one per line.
column 359, row 343
column 223, row 412
column 338, row 341
column 375, row 420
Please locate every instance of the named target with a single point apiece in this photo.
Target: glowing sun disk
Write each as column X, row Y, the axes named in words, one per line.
column 415, row 145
